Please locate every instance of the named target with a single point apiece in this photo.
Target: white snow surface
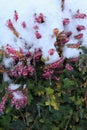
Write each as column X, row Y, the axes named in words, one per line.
column 13, row 86
column 53, row 19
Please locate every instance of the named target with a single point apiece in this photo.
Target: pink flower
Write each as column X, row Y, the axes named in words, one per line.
column 66, row 21
column 68, row 34
column 80, row 27
column 35, row 27
column 74, row 59
column 10, row 24
column 65, row 41
column 30, row 70
column 38, row 35
column 19, row 99
column 24, row 24
column 79, row 15
column 55, row 64
column 3, row 102
column 56, row 78
column 40, row 18
column 10, row 50
column 79, row 36
column 37, row 54
column 51, row 51
column 77, row 45
column 47, row 74
column 68, row 67
column 15, row 15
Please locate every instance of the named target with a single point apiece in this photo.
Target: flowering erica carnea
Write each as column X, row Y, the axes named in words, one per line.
column 35, row 93
column 79, row 15
column 38, row 35
column 24, row 24
column 66, row 21
column 16, row 16
column 18, row 99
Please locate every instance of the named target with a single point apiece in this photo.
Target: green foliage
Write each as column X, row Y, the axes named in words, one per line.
column 59, row 106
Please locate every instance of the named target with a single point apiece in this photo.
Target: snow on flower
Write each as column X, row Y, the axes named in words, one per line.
column 6, row 77
column 40, row 18
column 19, row 99
column 67, row 52
column 66, row 21
column 10, row 50
column 79, row 15
column 13, row 86
column 8, row 62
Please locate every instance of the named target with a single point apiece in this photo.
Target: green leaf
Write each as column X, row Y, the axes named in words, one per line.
column 49, row 90
column 41, row 120
column 30, row 98
column 18, row 125
column 55, row 128
column 5, row 122
column 68, row 82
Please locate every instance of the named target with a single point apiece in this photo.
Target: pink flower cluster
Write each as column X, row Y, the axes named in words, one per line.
column 10, row 24
column 77, row 45
column 69, row 33
column 38, row 35
column 37, row 54
column 24, row 24
column 18, row 99
column 21, row 70
column 16, row 16
column 10, row 50
column 49, row 70
column 79, row 36
column 47, row 74
column 68, row 67
column 40, row 18
column 66, row 21
column 55, row 65
column 74, row 59
column 3, row 102
column 80, row 15
column 80, row 27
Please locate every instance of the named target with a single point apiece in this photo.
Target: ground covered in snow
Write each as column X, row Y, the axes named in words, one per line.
column 53, row 16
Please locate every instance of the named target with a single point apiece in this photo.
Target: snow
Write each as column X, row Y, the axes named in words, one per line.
column 54, row 16
column 8, row 62
column 53, row 19
column 18, row 95
column 6, row 78
column 13, row 86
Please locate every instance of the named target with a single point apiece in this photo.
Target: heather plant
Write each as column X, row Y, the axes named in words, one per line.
column 40, row 96
column 35, row 95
